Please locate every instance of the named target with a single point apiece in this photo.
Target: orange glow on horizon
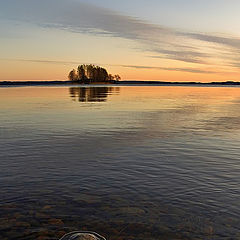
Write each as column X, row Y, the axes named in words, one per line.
column 27, row 71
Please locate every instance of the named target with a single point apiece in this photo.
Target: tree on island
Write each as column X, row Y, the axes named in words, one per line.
column 72, row 76
column 91, row 74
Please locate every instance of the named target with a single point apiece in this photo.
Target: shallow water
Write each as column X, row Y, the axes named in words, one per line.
column 145, row 162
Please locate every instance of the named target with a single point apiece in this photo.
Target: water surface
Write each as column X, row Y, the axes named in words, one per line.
column 145, row 162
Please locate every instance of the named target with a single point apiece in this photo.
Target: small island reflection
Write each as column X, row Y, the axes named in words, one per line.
column 92, row 94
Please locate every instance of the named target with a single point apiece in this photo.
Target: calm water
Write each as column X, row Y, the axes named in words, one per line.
column 127, row 162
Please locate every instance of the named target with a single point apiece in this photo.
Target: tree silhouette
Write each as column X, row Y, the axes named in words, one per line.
column 110, row 77
column 117, row 77
column 72, row 76
column 81, row 73
column 91, row 74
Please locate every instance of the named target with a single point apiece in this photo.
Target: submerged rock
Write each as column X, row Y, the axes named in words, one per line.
column 82, row 236
column 55, row 221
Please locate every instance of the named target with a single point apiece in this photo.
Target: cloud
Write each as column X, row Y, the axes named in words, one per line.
column 44, row 61
column 162, row 41
column 228, row 42
column 189, row 70
column 185, row 56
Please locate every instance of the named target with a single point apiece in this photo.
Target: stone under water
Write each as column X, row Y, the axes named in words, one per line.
column 82, row 236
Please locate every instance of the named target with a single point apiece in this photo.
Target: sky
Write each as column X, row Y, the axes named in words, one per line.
column 174, row 40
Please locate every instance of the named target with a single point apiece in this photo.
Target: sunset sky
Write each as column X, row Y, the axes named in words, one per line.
column 174, row 40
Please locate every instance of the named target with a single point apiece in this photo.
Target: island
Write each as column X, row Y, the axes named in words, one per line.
column 87, row 74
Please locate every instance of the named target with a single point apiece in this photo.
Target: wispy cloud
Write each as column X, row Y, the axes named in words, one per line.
column 43, row 61
column 162, row 42
column 190, row 70
column 228, row 42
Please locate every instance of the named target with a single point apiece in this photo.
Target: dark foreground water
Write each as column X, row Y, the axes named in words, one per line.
column 136, row 163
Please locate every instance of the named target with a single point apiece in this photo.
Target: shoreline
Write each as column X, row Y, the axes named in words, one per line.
column 129, row 83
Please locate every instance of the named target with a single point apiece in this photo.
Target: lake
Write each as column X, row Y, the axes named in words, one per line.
column 129, row 162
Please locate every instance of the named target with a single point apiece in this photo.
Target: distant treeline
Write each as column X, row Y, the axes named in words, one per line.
column 137, row 83
column 90, row 74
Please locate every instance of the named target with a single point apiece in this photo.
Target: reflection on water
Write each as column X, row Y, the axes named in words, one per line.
column 91, row 94
column 147, row 163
